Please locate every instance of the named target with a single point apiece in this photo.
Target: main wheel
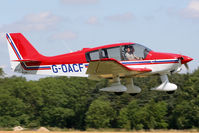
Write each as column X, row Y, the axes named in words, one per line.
column 119, row 93
column 133, row 94
column 170, row 92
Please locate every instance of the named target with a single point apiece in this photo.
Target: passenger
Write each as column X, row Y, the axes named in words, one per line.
column 130, row 54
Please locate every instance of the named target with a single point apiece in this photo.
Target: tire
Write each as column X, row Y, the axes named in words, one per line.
column 170, row 92
column 133, row 94
column 119, row 93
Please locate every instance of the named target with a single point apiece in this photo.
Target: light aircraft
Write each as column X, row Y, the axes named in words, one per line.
column 113, row 62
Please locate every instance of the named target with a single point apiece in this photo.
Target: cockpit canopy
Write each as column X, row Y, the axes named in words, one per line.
column 121, row 53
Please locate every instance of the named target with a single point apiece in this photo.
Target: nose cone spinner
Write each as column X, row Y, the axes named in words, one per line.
column 186, row 59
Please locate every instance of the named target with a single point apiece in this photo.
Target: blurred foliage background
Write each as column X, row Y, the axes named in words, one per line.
column 77, row 103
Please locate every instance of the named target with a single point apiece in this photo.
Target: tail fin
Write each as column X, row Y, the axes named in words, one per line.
column 20, row 50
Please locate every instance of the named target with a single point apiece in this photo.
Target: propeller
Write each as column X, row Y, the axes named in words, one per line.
column 187, row 66
column 185, row 63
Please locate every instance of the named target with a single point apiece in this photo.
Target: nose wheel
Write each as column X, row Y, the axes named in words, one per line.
column 170, row 92
column 166, row 85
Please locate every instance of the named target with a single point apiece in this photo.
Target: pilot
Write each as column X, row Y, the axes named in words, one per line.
column 130, row 53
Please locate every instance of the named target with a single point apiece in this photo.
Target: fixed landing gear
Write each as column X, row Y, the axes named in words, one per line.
column 131, row 88
column 119, row 89
column 116, row 86
column 166, row 85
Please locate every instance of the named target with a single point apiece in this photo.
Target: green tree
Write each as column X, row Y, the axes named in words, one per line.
column 100, row 114
column 185, row 114
column 150, row 116
column 77, row 103
column 57, row 117
column 71, row 94
column 136, row 114
column 11, row 110
column 1, row 72
column 123, row 120
column 156, row 115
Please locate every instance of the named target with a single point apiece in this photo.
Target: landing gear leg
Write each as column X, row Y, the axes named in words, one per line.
column 131, row 88
column 166, row 85
column 116, row 86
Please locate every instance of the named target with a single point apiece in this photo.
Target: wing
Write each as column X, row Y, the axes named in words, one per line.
column 107, row 68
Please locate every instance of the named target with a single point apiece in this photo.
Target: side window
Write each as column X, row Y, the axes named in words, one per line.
column 123, row 52
column 139, row 51
column 146, row 51
column 114, row 53
column 134, row 52
column 103, row 53
column 129, row 52
column 94, row 55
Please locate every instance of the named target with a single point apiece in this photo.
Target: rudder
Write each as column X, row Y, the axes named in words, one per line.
column 20, row 49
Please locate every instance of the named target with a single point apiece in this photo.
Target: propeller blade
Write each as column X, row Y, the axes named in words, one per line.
column 187, row 66
column 180, row 60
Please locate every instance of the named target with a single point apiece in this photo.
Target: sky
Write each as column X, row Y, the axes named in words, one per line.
column 61, row 26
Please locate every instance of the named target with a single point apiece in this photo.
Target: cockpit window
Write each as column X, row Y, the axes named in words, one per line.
column 93, row 55
column 134, row 52
column 120, row 53
column 114, row 53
